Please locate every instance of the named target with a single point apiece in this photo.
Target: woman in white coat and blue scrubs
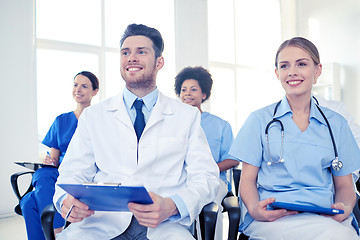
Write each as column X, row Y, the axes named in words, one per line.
column 310, row 164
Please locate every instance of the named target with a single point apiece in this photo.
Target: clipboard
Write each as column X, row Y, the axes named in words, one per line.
column 107, row 197
column 305, row 208
column 33, row 165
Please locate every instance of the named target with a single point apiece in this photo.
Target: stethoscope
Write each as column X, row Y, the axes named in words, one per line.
column 336, row 164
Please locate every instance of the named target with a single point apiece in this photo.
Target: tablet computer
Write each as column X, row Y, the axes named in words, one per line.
column 305, row 208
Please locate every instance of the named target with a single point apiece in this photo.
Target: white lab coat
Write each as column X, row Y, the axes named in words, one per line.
column 173, row 159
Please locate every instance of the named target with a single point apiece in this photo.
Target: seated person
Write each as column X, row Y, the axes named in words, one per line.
column 86, row 86
column 193, row 87
column 138, row 137
column 299, row 166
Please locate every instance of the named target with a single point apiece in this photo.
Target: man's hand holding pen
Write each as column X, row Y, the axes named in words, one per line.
column 73, row 210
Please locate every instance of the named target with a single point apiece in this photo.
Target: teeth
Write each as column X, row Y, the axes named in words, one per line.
column 133, row 69
column 294, row 82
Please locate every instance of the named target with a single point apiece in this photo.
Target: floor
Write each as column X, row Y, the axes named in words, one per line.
column 12, row 227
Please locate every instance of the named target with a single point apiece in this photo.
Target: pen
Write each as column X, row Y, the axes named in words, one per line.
column 68, row 215
column 52, row 161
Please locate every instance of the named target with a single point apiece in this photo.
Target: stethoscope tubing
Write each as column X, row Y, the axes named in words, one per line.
column 274, row 120
column 330, row 131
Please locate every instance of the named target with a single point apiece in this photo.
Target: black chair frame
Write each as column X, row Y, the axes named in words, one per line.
column 15, row 186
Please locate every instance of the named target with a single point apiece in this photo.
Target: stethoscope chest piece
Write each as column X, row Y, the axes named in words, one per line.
column 336, row 164
column 281, row 160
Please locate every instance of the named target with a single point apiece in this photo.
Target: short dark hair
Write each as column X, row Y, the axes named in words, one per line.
column 152, row 33
column 93, row 79
column 197, row 73
column 302, row 43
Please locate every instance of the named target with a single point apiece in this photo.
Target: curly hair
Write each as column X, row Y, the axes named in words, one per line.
column 197, row 73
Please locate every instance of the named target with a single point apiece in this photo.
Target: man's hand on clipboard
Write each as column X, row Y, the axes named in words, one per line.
column 152, row 215
column 74, row 210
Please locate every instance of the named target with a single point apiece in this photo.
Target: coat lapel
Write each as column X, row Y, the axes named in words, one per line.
column 161, row 109
column 117, row 106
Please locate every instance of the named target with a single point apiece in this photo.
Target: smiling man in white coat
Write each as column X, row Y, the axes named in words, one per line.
column 170, row 157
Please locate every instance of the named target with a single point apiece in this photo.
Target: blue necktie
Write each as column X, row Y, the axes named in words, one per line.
column 139, row 123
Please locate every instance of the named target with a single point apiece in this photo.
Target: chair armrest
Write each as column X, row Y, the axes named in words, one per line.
column 232, row 207
column 356, row 210
column 236, row 177
column 15, row 186
column 207, row 219
column 47, row 218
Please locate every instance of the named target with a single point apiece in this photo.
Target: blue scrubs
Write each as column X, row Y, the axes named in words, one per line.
column 44, row 179
column 220, row 137
column 306, row 175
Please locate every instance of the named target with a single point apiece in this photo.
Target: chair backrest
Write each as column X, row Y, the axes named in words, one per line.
column 14, row 180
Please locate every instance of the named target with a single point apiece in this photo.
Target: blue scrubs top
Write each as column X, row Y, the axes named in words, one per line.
column 61, row 132
column 306, row 175
column 220, row 137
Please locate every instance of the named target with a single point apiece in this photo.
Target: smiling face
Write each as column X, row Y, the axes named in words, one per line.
column 297, row 71
column 83, row 90
column 191, row 93
column 139, row 66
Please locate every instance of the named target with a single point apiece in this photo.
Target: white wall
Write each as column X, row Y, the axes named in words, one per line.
column 18, row 124
column 339, row 41
column 191, row 33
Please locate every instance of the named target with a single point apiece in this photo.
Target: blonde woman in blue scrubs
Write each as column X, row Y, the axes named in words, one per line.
column 193, row 86
column 301, row 170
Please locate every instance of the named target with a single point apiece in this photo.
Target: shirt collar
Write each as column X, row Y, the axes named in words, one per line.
column 149, row 100
column 284, row 108
column 315, row 113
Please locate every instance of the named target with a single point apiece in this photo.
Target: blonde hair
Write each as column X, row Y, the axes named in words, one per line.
column 302, row 43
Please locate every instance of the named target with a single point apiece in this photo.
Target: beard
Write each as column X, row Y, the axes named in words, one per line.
column 142, row 82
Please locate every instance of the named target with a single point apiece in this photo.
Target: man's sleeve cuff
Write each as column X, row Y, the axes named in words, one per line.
column 183, row 211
